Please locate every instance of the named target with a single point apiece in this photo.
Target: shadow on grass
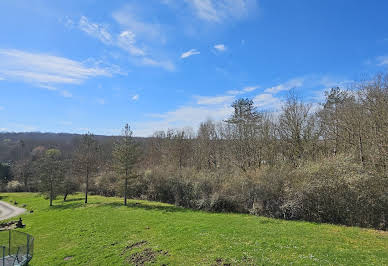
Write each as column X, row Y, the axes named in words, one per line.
column 140, row 205
column 65, row 205
column 73, row 199
column 78, row 203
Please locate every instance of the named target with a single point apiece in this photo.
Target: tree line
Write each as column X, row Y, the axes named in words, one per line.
column 325, row 164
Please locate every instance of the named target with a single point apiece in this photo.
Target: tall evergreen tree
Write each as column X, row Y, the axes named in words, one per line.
column 125, row 155
column 51, row 173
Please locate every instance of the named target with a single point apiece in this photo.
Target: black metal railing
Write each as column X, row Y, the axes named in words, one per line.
column 16, row 248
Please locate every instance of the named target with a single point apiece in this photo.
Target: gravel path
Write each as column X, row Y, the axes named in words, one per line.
column 7, row 210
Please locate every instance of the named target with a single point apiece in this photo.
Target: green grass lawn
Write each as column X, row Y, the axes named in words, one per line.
column 104, row 232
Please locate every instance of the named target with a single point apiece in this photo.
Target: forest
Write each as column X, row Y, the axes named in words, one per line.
column 326, row 163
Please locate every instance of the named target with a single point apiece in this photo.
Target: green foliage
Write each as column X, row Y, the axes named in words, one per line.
column 53, row 154
column 101, row 232
column 125, row 153
column 51, row 173
column 5, row 173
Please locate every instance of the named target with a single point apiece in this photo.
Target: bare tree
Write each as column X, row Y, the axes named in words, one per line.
column 295, row 127
column 70, row 184
column 180, row 146
column 330, row 119
column 86, row 159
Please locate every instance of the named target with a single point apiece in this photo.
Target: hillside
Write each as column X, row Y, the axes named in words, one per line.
column 10, row 142
column 104, row 232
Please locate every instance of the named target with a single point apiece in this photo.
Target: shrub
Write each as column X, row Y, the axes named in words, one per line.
column 337, row 191
column 107, row 184
column 14, row 186
column 334, row 190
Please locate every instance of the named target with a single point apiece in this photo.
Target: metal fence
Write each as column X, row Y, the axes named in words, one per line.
column 16, row 248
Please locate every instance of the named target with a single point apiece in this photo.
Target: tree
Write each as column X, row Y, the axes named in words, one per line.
column 125, row 156
column 70, row 184
column 206, row 145
column 330, row 118
column 5, row 173
column 374, row 98
column 86, row 159
column 24, row 172
column 180, row 148
column 296, row 128
column 51, row 173
column 245, row 122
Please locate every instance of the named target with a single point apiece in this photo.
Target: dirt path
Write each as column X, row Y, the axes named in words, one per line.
column 7, row 210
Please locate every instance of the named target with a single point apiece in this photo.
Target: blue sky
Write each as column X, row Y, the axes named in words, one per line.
column 78, row 66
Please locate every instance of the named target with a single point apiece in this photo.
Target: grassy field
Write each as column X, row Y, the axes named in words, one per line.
column 104, row 232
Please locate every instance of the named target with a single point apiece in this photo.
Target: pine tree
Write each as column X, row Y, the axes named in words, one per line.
column 125, row 156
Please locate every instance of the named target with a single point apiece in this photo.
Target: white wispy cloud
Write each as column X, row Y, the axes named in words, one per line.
column 1, row 108
column 130, row 17
column 234, row 92
column 126, row 41
column 189, row 53
column 45, row 70
column 205, row 107
column 250, row 88
column 219, row 107
column 68, row 22
column 135, row 97
column 267, row 101
column 99, row 31
column 220, row 10
column 382, row 60
column 66, row 94
column 50, row 88
column 220, row 47
column 2, row 78
column 293, row 83
column 330, row 82
column 244, row 90
column 207, row 100
column 184, row 116
column 167, row 65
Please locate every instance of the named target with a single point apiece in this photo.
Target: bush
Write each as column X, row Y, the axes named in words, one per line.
column 107, row 184
column 337, row 191
column 14, row 186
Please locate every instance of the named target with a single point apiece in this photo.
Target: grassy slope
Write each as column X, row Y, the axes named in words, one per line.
column 97, row 233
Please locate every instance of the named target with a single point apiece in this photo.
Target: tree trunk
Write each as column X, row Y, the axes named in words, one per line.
column 87, row 185
column 65, row 196
column 125, row 191
column 126, row 186
column 51, row 193
column 25, row 182
column 361, row 150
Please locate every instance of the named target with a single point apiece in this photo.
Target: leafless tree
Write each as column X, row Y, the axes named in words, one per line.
column 86, row 159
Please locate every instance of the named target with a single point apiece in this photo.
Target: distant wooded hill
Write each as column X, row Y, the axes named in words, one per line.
column 14, row 146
